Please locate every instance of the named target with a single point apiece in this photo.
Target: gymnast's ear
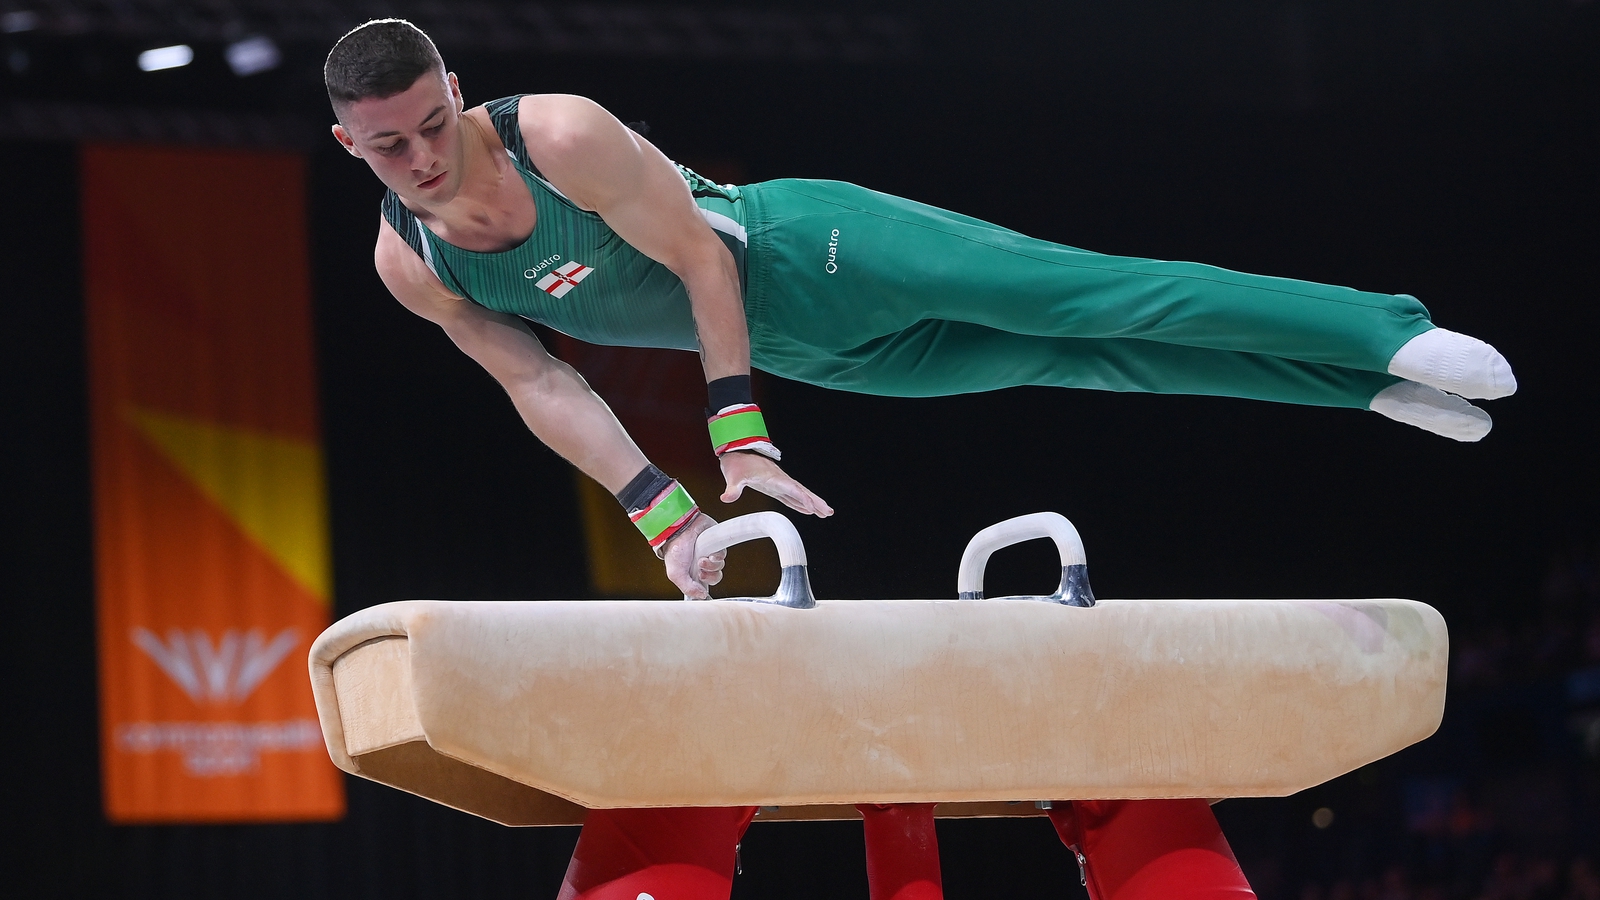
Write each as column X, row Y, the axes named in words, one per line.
column 345, row 141
column 454, row 87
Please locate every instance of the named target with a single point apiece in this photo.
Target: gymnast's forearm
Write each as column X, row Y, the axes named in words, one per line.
column 554, row 401
column 718, row 308
column 562, row 411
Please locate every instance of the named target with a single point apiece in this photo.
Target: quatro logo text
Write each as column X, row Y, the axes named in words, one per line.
column 533, row 272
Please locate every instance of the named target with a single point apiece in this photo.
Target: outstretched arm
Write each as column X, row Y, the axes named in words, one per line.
column 603, row 166
column 552, row 398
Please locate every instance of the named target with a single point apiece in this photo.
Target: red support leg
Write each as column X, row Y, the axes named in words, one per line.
column 1151, row 850
column 656, row 854
column 902, row 852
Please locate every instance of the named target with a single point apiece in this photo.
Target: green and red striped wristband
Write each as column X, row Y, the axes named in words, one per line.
column 741, row 427
column 664, row 514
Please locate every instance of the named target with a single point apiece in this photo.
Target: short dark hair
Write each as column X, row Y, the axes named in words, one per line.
column 378, row 59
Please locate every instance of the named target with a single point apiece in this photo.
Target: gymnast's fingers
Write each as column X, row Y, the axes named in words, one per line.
column 684, row 579
column 683, row 565
column 797, row 497
column 751, row 470
column 818, row 506
column 711, row 568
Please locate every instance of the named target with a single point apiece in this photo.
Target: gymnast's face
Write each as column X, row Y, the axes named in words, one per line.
column 411, row 140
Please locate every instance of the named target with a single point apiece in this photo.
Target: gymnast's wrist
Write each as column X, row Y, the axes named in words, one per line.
column 658, row 506
column 735, row 421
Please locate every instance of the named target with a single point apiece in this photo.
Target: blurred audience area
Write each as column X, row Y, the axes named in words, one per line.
column 1504, row 802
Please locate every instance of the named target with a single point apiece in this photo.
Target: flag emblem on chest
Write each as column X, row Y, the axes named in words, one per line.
column 563, row 279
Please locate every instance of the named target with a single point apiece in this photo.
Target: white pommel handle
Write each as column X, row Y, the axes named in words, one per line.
column 794, row 586
column 772, row 525
column 969, row 578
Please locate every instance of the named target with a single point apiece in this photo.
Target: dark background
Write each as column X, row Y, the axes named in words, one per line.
column 1448, row 150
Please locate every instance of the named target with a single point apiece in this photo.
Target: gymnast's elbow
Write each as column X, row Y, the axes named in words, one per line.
column 547, row 385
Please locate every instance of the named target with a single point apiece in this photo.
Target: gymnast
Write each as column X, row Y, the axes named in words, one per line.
column 546, row 208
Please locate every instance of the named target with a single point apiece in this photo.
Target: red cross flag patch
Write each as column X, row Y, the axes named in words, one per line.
column 563, row 279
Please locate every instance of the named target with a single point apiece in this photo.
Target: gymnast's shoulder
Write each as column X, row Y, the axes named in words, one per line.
column 408, row 278
column 577, row 145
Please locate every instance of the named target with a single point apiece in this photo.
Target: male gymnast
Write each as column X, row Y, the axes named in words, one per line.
column 545, row 207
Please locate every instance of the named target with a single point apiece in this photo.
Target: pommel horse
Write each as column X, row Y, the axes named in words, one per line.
column 650, row 721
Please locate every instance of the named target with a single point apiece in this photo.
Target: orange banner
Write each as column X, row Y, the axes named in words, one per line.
column 211, row 534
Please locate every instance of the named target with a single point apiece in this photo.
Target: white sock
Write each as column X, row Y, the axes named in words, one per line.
column 1455, row 363
column 1432, row 410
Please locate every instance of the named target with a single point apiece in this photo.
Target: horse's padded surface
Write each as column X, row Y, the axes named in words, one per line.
column 527, row 712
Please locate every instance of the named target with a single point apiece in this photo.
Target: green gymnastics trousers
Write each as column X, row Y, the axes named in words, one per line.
column 853, row 289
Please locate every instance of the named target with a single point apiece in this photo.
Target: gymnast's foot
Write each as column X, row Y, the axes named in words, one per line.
column 1432, row 410
column 1455, row 363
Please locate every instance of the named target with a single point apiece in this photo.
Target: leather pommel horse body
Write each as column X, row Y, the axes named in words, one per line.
column 527, row 713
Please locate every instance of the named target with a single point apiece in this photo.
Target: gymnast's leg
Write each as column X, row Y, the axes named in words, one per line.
column 1150, row 850
column 939, row 358
column 891, row 263
column 664, row 854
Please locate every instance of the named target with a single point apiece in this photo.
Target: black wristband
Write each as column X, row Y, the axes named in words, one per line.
column 645, row 486
column 726, row 392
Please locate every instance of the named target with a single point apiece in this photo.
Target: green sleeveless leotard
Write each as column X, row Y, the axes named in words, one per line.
column 626, row 298
column 849, row 288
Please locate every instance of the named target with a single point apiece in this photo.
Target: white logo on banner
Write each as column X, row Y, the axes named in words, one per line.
column 226, row 671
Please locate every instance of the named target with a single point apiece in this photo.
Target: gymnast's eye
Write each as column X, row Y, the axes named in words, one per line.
column 391, row 149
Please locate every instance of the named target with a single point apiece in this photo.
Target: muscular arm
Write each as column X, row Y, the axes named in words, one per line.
column 552, row 398
column 603, row 166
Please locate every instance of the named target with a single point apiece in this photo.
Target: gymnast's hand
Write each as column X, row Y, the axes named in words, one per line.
column 742, row 469
column 684, row 569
